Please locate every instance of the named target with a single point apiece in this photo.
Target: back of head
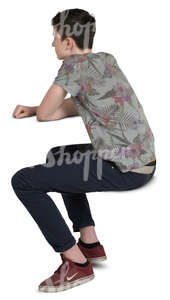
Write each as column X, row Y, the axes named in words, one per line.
column 77, row 24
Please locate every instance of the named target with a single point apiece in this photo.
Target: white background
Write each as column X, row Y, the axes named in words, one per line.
column 133, row 226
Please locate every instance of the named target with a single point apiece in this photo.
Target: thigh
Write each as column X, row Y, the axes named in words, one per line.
column 76, row 168
column 82, row 171
column 60, row 173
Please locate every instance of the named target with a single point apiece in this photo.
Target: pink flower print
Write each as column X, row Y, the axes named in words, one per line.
column 148, row 131
column 125, row 94
column 88, row 128
column 121, row 95
column 81, row 59
column 104, row 118
column 132, row 150
column 118, row 100
column 85, row 87
column 109, row 67
column 78, row 59
column 118, row 95
column 123, row 151
column 135, row 150
column 68, row 67
column 120, row 89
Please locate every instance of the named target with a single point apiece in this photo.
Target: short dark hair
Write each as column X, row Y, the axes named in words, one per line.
column 78, row 24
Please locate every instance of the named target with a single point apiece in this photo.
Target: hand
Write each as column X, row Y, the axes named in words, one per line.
column 22, row 111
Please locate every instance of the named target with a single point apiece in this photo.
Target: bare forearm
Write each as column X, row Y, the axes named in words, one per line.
column 67, row 109
column 34, row 110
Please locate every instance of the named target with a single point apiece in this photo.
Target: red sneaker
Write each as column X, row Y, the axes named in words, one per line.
column 67, row 275
column 95, row 254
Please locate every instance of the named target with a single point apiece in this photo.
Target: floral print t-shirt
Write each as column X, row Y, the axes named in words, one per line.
column 112, row 114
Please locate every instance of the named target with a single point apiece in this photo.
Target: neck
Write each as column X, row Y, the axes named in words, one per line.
column 82, row 51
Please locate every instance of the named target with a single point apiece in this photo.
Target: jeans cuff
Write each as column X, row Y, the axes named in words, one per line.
column 76, row 228
column 66, row 246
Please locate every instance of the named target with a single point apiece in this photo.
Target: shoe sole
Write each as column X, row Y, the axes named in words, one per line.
column 97, row 259
column 65, row 286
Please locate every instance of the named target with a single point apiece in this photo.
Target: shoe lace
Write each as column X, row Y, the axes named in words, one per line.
column 62, row 271
column 59, row 268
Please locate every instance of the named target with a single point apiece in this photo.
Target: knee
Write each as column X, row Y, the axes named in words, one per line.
column 19, row 179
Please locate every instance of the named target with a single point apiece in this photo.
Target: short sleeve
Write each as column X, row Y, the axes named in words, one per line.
column 68, row 77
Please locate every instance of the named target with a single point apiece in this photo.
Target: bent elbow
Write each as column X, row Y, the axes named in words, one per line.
column 40, row 117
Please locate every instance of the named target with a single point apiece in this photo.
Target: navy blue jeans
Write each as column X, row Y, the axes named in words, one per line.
column 71, row 170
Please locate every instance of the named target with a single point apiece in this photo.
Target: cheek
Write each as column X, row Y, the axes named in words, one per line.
column 59, row 49
column 56, row 46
